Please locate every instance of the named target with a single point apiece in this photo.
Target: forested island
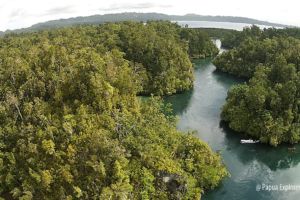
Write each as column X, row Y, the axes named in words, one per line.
column 267, row 107
column 74, row 127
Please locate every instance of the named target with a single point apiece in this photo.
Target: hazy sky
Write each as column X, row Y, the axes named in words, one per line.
column 24, row 13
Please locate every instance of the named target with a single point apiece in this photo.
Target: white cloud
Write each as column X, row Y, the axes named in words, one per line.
column 20, row 13
column 132, row 6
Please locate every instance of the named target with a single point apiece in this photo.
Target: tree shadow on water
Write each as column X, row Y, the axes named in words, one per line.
column 282, row 157
column 227, row 79
column 180, row 101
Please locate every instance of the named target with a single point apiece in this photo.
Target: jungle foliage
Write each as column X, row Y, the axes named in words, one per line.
column 156, row 50
column 231, row 38
column 242, row 60
column 199, row 45
column 267, row 107
column 72, row 126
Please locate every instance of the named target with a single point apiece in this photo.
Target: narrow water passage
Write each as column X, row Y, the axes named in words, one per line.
column 250, row 165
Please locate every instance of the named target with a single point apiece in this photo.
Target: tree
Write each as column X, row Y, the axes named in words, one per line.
column 72, row 126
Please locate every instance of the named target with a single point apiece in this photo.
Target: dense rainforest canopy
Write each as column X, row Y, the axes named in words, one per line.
column 199, row 45
column 242, row 60
column 233, row 38
column 254, row 46
column 268, row 106
column 72, row 126
column 158, row 51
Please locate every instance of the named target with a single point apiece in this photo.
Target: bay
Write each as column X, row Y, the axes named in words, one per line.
column 250, row 165
column 222, row 25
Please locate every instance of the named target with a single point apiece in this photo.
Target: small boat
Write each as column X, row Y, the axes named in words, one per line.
column 249, row 141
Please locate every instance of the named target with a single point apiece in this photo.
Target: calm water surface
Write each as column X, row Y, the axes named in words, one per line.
column 249, row 164
column 223, row 25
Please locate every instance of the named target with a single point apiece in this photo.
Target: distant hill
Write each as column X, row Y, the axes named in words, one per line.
column 98, row 19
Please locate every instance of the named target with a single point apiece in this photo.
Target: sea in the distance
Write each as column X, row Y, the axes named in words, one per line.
column 223, row 25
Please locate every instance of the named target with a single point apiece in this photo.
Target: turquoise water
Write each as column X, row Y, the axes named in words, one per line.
column 249, row 164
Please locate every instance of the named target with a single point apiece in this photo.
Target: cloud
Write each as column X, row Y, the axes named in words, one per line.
column 59, row 10
column 17, row 13
column 131, row 6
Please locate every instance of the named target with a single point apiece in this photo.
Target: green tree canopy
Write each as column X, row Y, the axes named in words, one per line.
column 268, row 107
column 72, row 126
